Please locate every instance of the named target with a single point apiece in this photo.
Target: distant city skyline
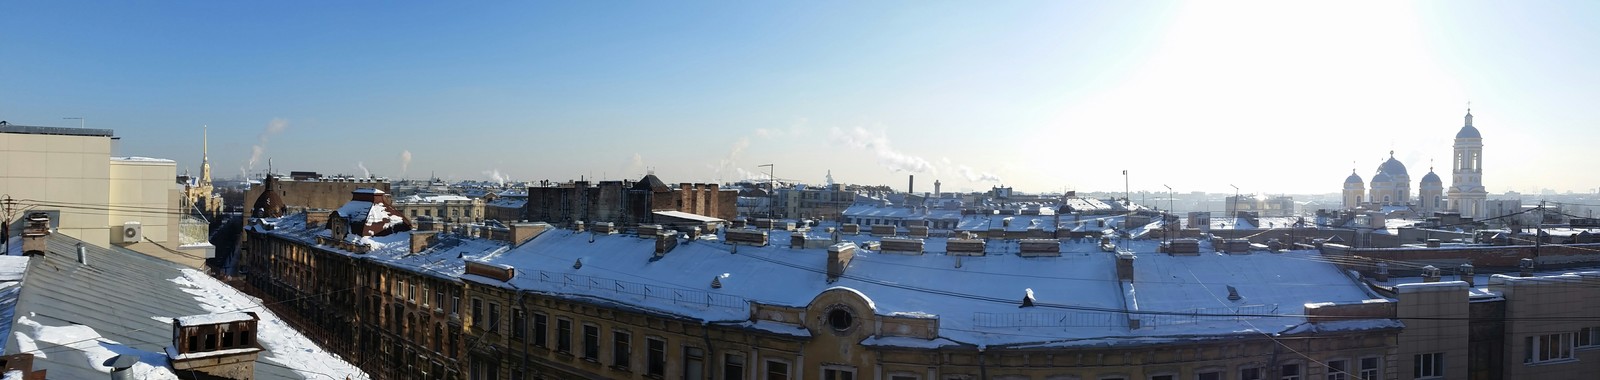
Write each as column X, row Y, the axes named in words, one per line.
column 1274, row 98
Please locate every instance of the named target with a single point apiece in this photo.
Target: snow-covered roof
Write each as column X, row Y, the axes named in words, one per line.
column 150, row 160
column 975, row 298
column 211, row 319
column 688, row 216
column 73, row 317
column 370, row 214
column 12, row 269
column 508, row 202
column 433, row 198
column 444, row 258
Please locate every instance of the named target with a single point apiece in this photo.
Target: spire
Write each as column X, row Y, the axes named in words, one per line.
column 1469, row 114
column 205, row 156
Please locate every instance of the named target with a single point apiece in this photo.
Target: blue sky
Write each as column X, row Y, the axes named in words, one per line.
column 1043, row 96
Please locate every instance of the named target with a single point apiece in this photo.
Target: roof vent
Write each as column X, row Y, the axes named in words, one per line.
column 1383, row 272
column 1466, row 273
column 1027, row 298
column 716, row 282
column 577, row 264
column 1526, row 264
column 1233, row 293
column 83, row 254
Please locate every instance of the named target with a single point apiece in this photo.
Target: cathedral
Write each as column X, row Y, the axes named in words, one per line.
column 1391, row 186
column 199, row 197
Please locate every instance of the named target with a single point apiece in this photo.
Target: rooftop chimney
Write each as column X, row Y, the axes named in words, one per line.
column 1125, row 266
column 83, row 254
column 1430, row 274
column 911, row 184
column 1526, row 265
column 839, row 256
column 1466, row 273
column 217, row 345
column 420, row 240
column 34, row 234
column 1383, row 272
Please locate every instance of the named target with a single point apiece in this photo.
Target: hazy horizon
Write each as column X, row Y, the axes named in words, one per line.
column 1275, row 98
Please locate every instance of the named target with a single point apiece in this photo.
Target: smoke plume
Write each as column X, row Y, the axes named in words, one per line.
column 276, row 126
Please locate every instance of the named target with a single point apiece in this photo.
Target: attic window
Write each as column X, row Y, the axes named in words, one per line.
column 840, row 319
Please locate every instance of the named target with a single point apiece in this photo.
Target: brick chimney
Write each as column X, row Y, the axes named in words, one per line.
column 420, row 240
column 215, row 345
column 1383, row 273
column 1430, row 274
column 1466, row 273
column 523, row 232
column 839, row 256
column 1125, row 266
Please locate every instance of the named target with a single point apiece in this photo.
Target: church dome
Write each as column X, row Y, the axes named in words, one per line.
column 1392, row 167
column 1353, row 178
column 1431, row 178
column 1381, row 177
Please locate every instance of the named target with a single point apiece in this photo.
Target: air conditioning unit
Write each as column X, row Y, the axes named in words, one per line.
column 130, row 232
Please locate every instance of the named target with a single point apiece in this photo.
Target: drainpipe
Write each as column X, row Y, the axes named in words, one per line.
column 705, row 333
column 525, row 327
column 983, row 367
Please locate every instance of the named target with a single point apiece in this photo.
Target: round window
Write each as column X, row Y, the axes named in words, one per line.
column 840, row 319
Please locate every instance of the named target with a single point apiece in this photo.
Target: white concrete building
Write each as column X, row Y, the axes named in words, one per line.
column 69, row 173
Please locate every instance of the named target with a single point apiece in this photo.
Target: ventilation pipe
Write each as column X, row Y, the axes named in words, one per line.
column 83, row 254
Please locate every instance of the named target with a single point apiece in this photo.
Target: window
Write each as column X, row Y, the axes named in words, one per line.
column 494, row 317
column 1256, row 373
column 1289, row 372
column 519, row 324
column 621, row 349
column 541, row 327
column 1369, row 369
column 1589, row 337
column 1546, row 348
column 733, row 367
column 563, row 335
column 1338, row 369
column 1208, row 375
column 477, row 312
column 1162, row 377
column 438, row 300
column 1428, row 365
column 591, row 342
column 656, row 363
column 694, row 363
column 902, row 376
column 777, row 370
column 455, row 305
column 836, row 373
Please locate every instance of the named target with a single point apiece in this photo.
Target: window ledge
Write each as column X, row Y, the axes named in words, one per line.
column 1551, row 362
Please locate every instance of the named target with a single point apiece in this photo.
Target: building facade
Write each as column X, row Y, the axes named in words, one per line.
column 69, row 173
column 626, row 202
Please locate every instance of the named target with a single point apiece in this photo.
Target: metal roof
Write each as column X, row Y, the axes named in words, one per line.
column 32, row 130
column 119, row 294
